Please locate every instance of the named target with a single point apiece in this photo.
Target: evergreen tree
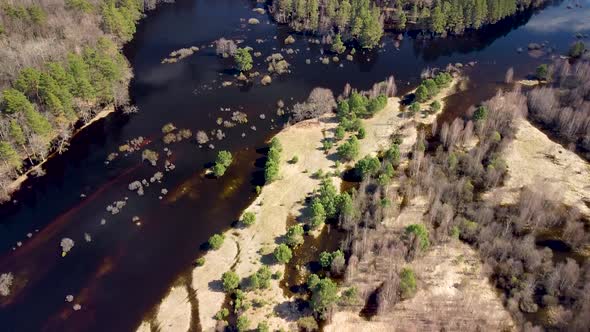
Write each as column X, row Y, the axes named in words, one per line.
column 28, row 82
column 344, row 14
column 338, row 45
column 243, row 59
column 312, row 14
column 9, row 156
column 438, row 21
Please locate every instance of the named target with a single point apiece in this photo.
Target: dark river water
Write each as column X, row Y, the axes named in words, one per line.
column 125, row 269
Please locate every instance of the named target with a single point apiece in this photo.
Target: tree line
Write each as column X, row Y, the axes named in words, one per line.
column 41, row 100
column 363, row 20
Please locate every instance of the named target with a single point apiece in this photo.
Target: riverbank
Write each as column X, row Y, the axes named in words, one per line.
column 16, row 183
column 245, row 250
column 533, row 159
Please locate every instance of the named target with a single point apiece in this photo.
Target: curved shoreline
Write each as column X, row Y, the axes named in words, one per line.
column 277, row 201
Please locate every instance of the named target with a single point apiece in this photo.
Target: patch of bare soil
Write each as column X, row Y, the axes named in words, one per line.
column 534, row 159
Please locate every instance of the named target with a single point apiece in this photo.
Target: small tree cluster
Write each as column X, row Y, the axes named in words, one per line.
column 271, row 168
column 430, row 87
column 223, row 161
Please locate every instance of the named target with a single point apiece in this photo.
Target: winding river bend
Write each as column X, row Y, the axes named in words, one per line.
column 126, row 268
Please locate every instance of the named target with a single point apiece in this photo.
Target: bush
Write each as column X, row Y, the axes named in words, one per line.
column 243, row 324
column 249, row 218
column 377, row 104
column 223, row 161
column 350, row 296
column 340, row 132
column 338, row 45
column 435, row 106
column 422, row 94
column 294, row 160
column 262, row 327
column 368, row 166
column 481, row 113
column 421, row 233
column 230, row 281
column 577, row 49
column 222, row 314
column 243, row 59
column 324, row 296
column 415, row 107
column 200, row 261
column 318, row 213
column 542, row 72
column 307, row 324
column 350, row 149
column 216, row 241
column 271, row 168
column 393, row 154
column 362, row 133
column 326, row 258
column 283, row 253
column 294, row 236
column 407, row 283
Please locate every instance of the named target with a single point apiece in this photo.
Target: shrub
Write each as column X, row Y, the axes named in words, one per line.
column 262, row 327
column 216, row 241
column 577, row 49
column 415, row 107
column 200, row 261
column 338, row 45
column 243, row 324
column 230, row 281
column 407, row 283
column 243, row 59
column 368, row 166
column 222, row 314
column 362, row 133
column 350, row 296
column 350, row 149
column 481, row 113
column 393, row 154
column 294, row 160
column 271, row 168
column 318, row 213
column 283, row 253
column 294, row 236
column 377, row 104
column 421, row 93
column 435, row 106
column 542, row 72
column 249, row 218
column 223, row 161
column 324, row 296
column 421, row 233
column 340, row 132
column 307, row 324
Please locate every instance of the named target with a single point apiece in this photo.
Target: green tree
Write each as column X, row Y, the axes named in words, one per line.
column 344, row 14
column 294, row 236
column 415, row 107
column 368, row 166
column 82, row 88
column 262, row 327
column 372, row 29
column 28, row 82
column 350, row 149
column 421, row 233
column 577, row 49
column 438, row 19
column 243, row 59
column 318, row 213
column 435, row 106
column 407, row 283
column 345, row 207
column 216, row 241
column 422, row 93
column 16, row 132
column 312, row 14
column 230, row 281
column 480, row 113
column 402, row 20
column 283, row 253
column 249, row 218
column 338, row 45
column 15, row 101
column 542, row 72
column 9, row 156
column 324, row 296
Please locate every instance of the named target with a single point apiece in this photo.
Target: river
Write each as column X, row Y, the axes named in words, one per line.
column 125, row 269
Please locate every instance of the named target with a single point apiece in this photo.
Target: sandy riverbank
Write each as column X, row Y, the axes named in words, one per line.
column 534, row 159
column 245, row 249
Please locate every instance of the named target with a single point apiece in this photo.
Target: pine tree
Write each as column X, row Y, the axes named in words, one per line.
column 372, row 29
column 344, row 14
column 312, row 14
column 438, row 19
column 28, row 82
column 9, row 156
column 338, row 45
column 82, row 88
